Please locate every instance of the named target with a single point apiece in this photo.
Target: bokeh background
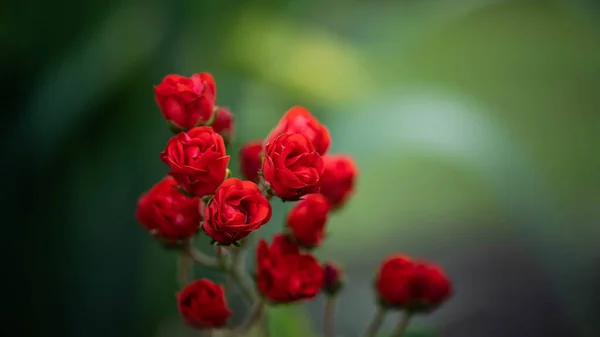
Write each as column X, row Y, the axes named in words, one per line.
column 475, row 125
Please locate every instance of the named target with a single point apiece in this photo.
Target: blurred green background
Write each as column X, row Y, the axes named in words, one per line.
column 475, row 125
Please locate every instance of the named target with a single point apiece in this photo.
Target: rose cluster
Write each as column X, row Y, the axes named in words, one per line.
column 293, row 164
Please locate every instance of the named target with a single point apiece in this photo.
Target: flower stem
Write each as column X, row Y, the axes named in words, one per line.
column 266, row 330
column 185, row 269
column 376, row 323
column 237, row 272
column 199, row 257
column 329, row 317
column 258, row 310
column 402, row 324
column 240, row 277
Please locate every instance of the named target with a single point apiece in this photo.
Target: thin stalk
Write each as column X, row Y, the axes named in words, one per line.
column 402, row 325
column 376, row 322
column 256, row 314
column 237, row 272
column 184, row 270
column 199, row 257
column 329, row 316
column 240, row 277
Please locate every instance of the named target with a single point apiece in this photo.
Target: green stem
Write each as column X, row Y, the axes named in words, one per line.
column 199, row 257
column 329, row 320
column 185, row 269
column 265, row 324
column 240, row 277
column 402, row 325
column 376, row 322
column 258, row 310
column 221, row 257
column 237, row 272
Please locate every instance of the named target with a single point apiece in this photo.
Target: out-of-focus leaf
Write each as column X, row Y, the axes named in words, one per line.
column 289, row 321
column 296, row 55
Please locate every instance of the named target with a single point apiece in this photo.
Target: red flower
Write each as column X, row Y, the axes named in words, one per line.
column 332, row 281
column 197, row 160
column 299, row 120
column 237, row 208
column 250, row 161
column 185, row 102
column 167, row 214
column 412, row 285
column 224, row 124
column 285, row 275
column 307, row 220
column 337, row 182
column 203, row 305
column 292, row 166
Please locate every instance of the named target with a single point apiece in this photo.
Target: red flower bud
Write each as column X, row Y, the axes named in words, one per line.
column 224, row 124
column 333, row 278
column 412, row 285
column 167, row 214
column 337, row 182
column 284, row 274
column 250, row 161
column 203, row 305
column 237, row 209
column 306, row 221
column 197, row 160
column 299, row 120
column 185, row 102
column 292, row 166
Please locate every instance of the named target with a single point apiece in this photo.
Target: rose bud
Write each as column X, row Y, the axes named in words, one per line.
column 237, row 208
column 415, row 286
column 167, row 214
column 333, row 279
column 203, row 305
column 285, row 275
column 337, row 182
column 186, row 102
column 197, row 160
column 306, row 221
column 299, row 120
column 292, row 166
column 224, row 124
column 250, row 161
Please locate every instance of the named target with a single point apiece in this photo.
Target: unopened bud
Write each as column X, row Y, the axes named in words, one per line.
column 333, row 278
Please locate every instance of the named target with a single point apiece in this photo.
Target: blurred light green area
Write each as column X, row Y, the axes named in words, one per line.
column 469, row 120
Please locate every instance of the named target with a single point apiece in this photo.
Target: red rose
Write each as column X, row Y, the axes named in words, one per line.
column 292, row 166
column 337, row 182
column 185, row 102
column 299, row 120
column 306, row 221
column 332, row 281
column 167, row 214
column 284, row 274
column 197, row 160
column 250, row 161
column 237, row 208
column 224, row 124
column 203, row 305
column 415, row 286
